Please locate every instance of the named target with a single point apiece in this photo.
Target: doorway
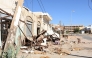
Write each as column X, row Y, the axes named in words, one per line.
column 5, row 26
column 38, row 30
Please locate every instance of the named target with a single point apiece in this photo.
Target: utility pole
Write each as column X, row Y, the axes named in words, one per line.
column 71, row 21
column 14, row 24
column 60, row 26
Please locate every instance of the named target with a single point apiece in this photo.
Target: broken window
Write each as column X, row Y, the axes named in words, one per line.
column 28, row 33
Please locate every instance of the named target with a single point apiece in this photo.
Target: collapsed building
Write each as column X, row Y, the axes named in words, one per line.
column 30, row 23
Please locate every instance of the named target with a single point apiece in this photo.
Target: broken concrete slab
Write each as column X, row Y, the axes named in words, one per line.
column 24, row 48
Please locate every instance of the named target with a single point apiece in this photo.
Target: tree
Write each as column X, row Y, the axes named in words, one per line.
column 76, row 30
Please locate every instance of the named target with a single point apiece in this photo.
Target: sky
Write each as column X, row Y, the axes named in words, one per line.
column 75, row 12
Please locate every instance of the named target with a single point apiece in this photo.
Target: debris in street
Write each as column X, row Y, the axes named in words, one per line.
column 23, row 48
column 44, row 57
column 39, row 52
column 77, row 49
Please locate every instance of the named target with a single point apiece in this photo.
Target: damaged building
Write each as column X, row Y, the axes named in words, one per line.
column 30, row 23
column 6, row 16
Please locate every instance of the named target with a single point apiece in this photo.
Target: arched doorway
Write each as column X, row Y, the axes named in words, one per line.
column 29, row 22
column 28, row 28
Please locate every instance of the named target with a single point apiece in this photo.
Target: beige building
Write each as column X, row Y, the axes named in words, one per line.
column 30, row 23
column 44, row 19
column 8, row 6
column 71, row 28
column 7, row 10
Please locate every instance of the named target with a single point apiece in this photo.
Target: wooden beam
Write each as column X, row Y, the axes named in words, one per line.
column 5, row 12
column 12, row 32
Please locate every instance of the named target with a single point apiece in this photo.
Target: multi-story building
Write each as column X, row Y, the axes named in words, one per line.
column 71, row 28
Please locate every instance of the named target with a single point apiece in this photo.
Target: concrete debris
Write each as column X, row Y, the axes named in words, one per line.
column 24, row 48
column 44, row 57
column 67, row 46
column 79, row 40
column 65, row 36
column 61, row 51
column 77, row 49
column 39, row 52
column 25, row 51
column 51, row 45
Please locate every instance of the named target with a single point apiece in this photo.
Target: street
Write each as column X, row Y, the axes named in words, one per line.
column 85, row 36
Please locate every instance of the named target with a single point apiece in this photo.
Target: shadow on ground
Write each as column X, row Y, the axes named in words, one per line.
column 87, row 48
column 80, row 56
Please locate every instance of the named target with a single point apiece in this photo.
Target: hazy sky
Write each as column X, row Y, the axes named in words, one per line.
column 61, row 10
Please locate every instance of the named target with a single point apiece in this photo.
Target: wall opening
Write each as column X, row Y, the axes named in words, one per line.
column 4, row 29
column 38, row 27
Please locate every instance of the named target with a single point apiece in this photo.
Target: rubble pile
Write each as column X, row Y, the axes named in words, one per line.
column 53, row 45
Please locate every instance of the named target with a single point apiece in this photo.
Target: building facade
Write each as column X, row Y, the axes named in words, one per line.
column 7, row 10
column 8, row 6
column 30, row 23
column 71, row 28
column 44, row 19
column 88, row 29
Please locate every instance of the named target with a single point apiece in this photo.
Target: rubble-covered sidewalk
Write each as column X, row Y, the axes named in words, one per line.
column 71, row 47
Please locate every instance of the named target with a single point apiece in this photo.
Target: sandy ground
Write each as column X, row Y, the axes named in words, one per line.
column 85, row 52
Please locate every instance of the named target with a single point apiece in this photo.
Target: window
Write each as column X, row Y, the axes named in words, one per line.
column 28, row 33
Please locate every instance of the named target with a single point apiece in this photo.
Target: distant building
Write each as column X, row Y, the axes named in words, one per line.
column 88, row 29
column 71, row 28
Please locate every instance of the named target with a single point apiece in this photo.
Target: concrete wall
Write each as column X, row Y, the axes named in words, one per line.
column 8, row 5
column 44, row 19
column 71, row 28
column 89, row 28
column 24, row 17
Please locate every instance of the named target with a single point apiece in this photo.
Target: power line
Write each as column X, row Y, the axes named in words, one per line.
column 43, row 9
column 89, row 5
column 40, row 6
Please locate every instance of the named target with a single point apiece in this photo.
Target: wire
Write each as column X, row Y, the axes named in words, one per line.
column 40, row 6
column 89, row 5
